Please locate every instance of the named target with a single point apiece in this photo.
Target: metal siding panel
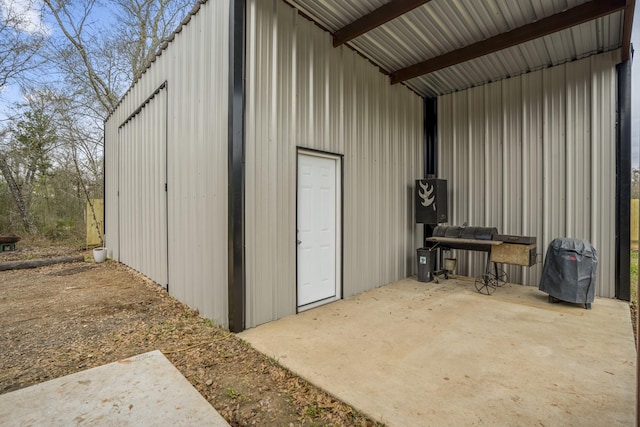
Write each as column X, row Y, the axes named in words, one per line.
column 473, row 175
column 111, row 187
column 554, row 152
column 301, row 92
column 532, row 167
column 494, row 130
column 136, row 190
column 270, row 162
column 578, row 151
column 195, row 65
column 141, row 191
column 552, row 131
column 511, row 221
column 603, row 164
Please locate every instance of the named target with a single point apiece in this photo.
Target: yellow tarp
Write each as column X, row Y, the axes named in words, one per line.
column 93, row 238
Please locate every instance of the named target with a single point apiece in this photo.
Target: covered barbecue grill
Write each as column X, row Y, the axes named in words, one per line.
column 431, row 210
column 569, row 272
column 472, row 239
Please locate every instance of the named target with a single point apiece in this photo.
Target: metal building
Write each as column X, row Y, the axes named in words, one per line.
column 265, row 161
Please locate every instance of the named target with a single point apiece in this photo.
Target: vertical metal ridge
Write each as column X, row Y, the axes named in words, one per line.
column 335, row 101
column 236, row 171
column 541, row 144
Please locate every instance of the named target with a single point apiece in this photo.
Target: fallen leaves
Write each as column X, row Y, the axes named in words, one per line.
column 61, row 319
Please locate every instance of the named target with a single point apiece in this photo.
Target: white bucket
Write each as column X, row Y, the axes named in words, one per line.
column 100, row 254
column 450, row 264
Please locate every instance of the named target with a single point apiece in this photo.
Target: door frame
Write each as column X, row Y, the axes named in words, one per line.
column 339, row 224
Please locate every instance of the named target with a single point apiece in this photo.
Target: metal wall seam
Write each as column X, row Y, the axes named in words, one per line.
column 301, row 92
column 195, row 127
column 553, row 177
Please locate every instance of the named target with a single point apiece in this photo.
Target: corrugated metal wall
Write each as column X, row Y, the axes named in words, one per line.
column 301, row 92
column 142, row 199
column 195, row 67
column 535, row 155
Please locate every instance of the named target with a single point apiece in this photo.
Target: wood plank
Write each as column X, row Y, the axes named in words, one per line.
column 512, row 253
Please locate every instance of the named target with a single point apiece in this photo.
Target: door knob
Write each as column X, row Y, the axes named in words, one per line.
column 299, row 242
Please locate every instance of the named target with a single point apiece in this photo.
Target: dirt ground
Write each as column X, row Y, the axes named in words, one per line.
column 65, row 318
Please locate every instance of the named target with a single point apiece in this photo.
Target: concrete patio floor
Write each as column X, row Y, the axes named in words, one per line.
column 426, row 354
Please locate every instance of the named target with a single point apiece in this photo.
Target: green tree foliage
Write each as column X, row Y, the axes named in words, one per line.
column 25, row 161
column 34, row 138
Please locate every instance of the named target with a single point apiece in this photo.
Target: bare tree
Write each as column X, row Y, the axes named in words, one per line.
column 107, row 60
column 94, row 51
column 97, row 64
column 78, row 57
column 25, row 214
column 21, row 37
column 143, row 25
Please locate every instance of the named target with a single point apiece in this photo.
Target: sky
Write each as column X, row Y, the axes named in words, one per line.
column 31, row 24
column 29, row 10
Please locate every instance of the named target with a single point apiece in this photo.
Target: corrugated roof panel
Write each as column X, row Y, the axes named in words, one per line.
column 514, row 61
column 442, row 26
column 336, row 14
column 612, row 31
column 551, row 50
column 515, row 14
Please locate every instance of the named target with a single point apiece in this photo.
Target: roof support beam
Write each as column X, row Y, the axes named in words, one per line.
column 554, row 23
column 626, row 32
column 374, row 19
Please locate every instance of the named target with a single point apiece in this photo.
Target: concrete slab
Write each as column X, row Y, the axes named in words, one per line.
column 416, row 354
column 143, row 390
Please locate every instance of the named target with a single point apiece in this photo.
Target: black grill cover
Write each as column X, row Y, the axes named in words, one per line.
column 569, row 272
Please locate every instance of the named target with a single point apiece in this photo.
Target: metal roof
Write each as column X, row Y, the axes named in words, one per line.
column 438, row 27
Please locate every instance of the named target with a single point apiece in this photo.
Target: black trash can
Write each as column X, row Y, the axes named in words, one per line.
column 569, row 272
column 426, row 264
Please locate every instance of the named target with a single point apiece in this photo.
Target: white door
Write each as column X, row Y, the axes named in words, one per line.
column 318, row 229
